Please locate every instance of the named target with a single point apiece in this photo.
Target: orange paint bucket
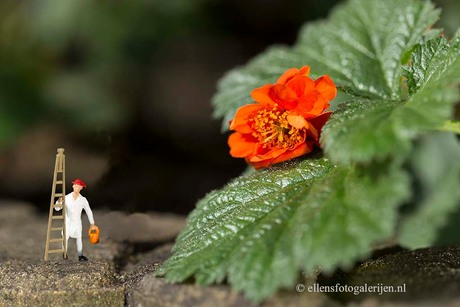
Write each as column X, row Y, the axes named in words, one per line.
column 93, row 233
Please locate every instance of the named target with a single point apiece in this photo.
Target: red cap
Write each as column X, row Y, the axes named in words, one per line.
column 79, row 182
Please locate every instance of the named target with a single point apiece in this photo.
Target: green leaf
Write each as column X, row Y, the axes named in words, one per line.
column 435, row 61
column 436, row 91
column 436, row 163
column 263, row 228
column 363, row 130
column 239, row 205
column 425, row 63
column 363, row 40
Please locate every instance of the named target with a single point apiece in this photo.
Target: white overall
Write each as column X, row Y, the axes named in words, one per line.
column 73, row 225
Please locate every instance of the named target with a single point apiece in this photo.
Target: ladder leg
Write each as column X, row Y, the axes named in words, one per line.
column 59, row 168
column 64, row 209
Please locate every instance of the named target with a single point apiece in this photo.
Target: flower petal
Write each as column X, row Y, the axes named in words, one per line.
column 310, row 105
column 300, row 150
column 319, row 121
column 312, row 131
column 301, row 85
column 297, row 121
column 290, row 73
column 261, row 95
column 263, row 154
column 259, row 165
column 241, row 145
column 300, row 122
column 240, row 121
column 326, row 87
column 304, row 71
column 284, row 96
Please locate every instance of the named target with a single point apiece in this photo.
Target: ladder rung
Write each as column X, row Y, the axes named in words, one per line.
column 57, row 217
column 59, row 182
column 56, row 251
column 56, row 228
column 56, row 240
column 57, row 194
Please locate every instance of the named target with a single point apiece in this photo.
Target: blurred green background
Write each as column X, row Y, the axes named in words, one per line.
column 125, row 88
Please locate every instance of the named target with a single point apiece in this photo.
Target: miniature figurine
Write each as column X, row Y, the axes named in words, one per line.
column 75, row 203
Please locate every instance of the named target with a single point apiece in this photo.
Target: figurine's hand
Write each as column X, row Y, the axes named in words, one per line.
column 58, row 204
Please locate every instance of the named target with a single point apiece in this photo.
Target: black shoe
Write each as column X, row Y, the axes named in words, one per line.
column 82, row 258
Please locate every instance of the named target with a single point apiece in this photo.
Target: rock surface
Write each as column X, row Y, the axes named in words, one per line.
column 59, row 283
column 27, row 280
column 428, row 276
column 121, row 269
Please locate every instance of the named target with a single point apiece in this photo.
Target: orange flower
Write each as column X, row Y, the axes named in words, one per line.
column 286, row 121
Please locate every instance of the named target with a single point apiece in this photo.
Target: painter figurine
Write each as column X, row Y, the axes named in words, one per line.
column 74, row 204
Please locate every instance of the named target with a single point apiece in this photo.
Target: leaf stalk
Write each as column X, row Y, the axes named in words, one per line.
column 451, row 126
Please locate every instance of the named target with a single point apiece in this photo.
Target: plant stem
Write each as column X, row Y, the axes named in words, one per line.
column 452, row 126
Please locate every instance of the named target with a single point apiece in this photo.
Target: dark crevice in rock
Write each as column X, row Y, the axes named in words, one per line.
column 132, row 253
column 136, row 260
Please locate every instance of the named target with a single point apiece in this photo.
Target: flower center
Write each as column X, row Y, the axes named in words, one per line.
column 272, row 129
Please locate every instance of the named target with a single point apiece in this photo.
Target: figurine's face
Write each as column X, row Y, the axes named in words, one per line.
column 77, row 188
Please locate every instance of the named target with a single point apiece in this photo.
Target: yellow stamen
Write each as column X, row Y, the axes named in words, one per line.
column 273, row 130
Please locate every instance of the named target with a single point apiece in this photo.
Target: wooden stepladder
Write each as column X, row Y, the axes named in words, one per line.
column 56, row 234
